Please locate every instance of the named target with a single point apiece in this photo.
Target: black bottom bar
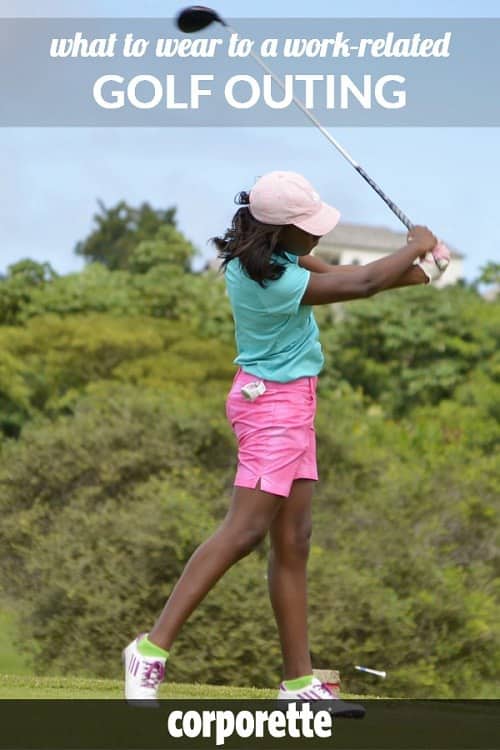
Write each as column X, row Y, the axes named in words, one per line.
column 115, row 725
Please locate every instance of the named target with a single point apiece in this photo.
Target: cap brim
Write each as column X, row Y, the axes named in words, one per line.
column 321, row 223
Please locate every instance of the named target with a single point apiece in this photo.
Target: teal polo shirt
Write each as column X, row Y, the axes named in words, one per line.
column 277, row 338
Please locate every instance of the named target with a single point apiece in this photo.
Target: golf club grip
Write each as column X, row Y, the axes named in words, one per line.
column 401, row 216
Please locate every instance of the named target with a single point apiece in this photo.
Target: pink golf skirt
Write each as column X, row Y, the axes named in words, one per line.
column 275, row 433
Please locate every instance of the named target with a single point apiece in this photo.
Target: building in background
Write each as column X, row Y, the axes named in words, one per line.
column 350, row 244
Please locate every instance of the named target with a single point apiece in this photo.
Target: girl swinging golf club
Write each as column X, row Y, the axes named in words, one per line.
column 273, row 282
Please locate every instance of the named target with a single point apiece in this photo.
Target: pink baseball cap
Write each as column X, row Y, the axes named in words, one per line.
column 288, row 198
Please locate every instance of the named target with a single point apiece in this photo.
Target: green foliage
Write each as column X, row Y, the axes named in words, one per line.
column 402, row 570
column 168, row 247
column 166, row 290
column 155, row 279
column 490, row 273
column 412, row 534
column 95, row 289
column 119, row 230
column 116, row 461
column 51, row 361
column 12, row 661
column 117, row 499
column 30, row 272
column 22, row 281
column 412, row 346
column 15, row 407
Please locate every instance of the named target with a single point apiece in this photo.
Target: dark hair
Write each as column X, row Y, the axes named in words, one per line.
column 253, row 242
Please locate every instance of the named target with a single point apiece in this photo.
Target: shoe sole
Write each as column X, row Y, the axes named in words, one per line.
column 339, row 708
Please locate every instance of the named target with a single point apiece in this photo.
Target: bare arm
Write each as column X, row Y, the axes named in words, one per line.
column 357, row 282
column 412, row 276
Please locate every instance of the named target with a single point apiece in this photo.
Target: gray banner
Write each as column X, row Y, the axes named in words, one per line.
column 348, row 72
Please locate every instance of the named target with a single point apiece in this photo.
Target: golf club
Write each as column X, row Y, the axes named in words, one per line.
column 377, row 672
column 198, row 17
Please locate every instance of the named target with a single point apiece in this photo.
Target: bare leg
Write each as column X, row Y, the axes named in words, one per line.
column 290, row 533
column 247, row 522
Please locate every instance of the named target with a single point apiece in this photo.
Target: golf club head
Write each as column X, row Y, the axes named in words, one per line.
column 196, row 17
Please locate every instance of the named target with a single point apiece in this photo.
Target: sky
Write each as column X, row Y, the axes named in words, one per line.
column 446, row 178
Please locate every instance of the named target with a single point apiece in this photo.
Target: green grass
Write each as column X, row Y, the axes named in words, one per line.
column 20, row 686
column 12, row 661
column 16, row 686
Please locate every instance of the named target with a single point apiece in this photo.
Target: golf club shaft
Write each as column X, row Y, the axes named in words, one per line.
column 378, row 672
column 359, row 169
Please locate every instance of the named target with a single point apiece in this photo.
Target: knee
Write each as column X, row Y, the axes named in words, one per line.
column 300, row 542
column 293, row 544
column 246, row 540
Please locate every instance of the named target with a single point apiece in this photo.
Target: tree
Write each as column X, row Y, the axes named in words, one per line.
column 413, row 346
column 48, row 363
column 17, row 287
column 168, row 247
column 490, row 273
column 119, row 230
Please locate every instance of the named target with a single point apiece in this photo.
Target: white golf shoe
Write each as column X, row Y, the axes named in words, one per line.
column 318, row 691
column 143, row 674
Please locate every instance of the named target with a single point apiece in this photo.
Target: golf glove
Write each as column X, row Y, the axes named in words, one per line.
column 435, row 262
